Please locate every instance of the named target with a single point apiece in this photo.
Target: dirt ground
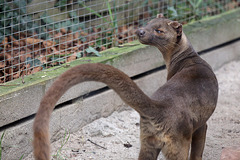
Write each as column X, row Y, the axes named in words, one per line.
column 118, row 134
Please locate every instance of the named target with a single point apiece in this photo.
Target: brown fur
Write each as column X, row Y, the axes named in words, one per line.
column 173, row 119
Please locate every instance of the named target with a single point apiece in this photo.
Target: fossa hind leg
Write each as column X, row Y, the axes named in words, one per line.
column 198, row 143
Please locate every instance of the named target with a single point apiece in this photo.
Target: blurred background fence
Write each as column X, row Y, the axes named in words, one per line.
column 38, row 34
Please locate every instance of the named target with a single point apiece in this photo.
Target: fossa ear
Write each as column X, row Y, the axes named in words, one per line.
column 177, row 26
column 160, row 15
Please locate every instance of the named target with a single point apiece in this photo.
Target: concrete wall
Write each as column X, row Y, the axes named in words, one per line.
column 18, row 104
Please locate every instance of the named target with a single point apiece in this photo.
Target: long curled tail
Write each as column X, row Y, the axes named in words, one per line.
column 115, row 79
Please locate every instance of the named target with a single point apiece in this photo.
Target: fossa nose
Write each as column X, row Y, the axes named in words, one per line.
column 140, row 32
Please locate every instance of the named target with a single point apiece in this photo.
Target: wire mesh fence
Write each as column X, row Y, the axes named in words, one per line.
column 38, row 34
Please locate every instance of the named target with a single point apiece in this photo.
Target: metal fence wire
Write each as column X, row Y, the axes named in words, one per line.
column 38, row 34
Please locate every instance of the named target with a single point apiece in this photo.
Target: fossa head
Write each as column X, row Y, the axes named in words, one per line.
column 161, row 33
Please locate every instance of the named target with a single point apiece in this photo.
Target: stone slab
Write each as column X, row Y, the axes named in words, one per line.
column 25, row 101
column 230, row 153
column 219, row 57
column 214, row 30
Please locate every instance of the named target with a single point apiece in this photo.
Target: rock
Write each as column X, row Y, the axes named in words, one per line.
column 231, row 153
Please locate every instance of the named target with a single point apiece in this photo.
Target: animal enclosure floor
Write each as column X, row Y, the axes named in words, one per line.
column 118, row 134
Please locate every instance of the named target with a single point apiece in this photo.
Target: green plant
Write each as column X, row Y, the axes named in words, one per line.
column 1, row 144
column 179, row 10
column 196, row 5
column 72, row 24
column 65, row 139
column 14, row 18
column 61, row 3
column 21, row 157
column 113, row 25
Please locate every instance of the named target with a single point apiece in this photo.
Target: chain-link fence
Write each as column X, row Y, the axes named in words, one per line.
column 38, row 34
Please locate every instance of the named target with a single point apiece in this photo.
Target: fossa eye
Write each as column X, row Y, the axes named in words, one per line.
column 159, row 31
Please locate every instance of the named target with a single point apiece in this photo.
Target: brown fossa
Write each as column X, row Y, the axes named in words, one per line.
column 175, row 116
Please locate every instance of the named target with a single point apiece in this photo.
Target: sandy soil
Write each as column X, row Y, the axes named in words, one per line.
column 118, row 134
